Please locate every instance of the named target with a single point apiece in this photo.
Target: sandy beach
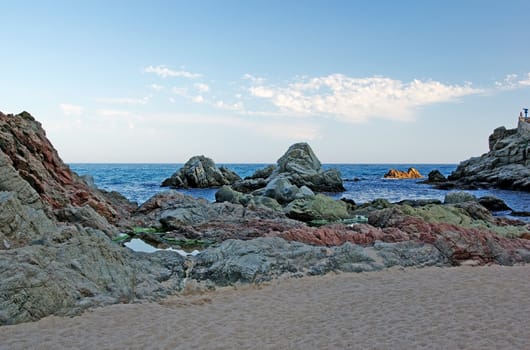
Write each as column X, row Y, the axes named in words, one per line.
column 430, row 308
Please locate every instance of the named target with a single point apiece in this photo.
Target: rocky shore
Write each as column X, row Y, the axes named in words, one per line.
column 506, row 165
column 60, row 236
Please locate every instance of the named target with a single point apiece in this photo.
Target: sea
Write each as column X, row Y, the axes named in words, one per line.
column 363, row 182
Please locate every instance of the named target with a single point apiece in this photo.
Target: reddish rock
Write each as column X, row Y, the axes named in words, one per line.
column 335, row 235
column 411, row 173
column 24, row 141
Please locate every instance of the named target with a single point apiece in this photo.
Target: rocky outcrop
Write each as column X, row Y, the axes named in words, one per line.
column 411, row 173
column 30, row 153
column 506, row 165
column 290, row 187
column 301, row 167
column 180, row 215
column 262, row 259
column 201, row 172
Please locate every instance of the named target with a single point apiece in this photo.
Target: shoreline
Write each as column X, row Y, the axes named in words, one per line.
column 431, row 308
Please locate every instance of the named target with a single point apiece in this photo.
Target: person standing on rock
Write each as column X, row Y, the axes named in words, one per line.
column 525, row 113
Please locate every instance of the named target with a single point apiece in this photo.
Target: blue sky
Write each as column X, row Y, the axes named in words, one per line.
column 240, row 81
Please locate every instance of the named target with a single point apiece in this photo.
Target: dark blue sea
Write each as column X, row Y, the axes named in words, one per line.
column 138, row 182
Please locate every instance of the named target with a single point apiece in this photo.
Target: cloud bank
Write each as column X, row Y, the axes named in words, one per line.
column 357, row 99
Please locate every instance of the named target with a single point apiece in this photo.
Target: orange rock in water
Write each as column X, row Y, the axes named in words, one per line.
column 412, row 173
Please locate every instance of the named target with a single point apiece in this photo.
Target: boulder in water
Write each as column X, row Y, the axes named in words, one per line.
column 201, row 172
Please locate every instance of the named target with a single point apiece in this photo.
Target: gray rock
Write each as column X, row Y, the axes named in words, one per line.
column 493, row 204
column 201, row 172
column 86, row 216
column 282, row 190
column 19, row 223
column 11, row 181
column 302, row 168
column 454, row 197
column 76, row 268
column 506, row 165
column 319, row 207
column 262, row 173
column 262, row 259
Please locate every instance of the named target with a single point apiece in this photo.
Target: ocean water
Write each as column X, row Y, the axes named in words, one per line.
column 138, row 182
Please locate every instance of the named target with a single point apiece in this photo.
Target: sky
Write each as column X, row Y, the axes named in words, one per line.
column 240, row 81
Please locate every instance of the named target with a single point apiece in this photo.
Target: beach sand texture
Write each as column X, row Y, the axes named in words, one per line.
column 430, row 308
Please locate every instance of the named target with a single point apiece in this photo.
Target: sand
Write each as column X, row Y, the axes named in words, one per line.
column 430, row 308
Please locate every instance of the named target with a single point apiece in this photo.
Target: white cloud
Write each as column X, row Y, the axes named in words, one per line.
column 513, row 81
column 124, row 100
column 164, row 72
column 358, row 99
column 69, row 109
column 114, row 113
column 156, row 87
column 254, row 79
column 202, row 87
column 180, row 91
column 198, row 99
column 237, row 107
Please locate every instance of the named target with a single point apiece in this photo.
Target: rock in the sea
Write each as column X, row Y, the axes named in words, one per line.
column 435, row 176
column 301, row 167
column 411, row 173
column 201, row 172
column 493, row 203
column 506, row 165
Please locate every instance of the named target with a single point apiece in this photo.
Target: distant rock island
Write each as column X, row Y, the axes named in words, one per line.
column 411, row 173
column 506, row 165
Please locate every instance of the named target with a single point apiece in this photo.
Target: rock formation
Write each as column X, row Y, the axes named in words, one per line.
column 506, row 165
column 411, row 173
column 301, row 167
column 201, row 172
column 25, row 146
column 290, row 187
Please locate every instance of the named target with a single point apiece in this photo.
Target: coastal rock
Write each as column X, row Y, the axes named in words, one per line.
column 201, row 172
column 411, row 173
column 493, row 204
column 454, row 197
column 196, row 218
column 262, row 259
column 301, row 167
column 319, row 207
column 30, row 153
column 435, row 176
column 506, row 165
column 458, row 243
column 264, row 173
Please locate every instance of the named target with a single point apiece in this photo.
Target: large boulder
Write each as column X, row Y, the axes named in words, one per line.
column 506, row 165
column 201, row 172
